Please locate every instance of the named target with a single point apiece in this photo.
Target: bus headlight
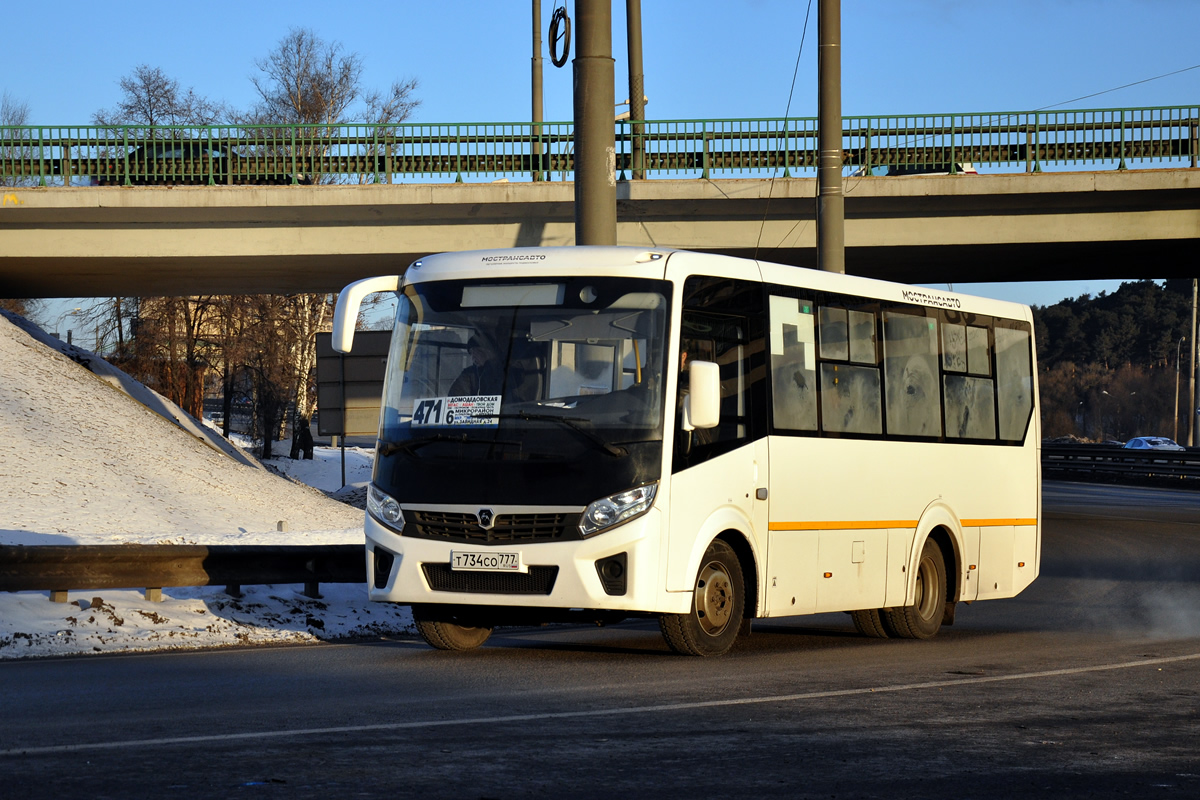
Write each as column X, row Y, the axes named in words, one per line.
column 384, row 508
column 617, row 508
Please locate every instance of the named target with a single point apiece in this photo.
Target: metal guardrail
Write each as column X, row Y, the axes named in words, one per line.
column 44, row 155
column 59, row 568
column 1114, row 464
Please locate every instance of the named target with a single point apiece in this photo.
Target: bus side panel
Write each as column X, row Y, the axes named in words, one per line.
column 852, row 565
column 1027, row 555
column 969, row 569
column 997, row 563
column 791, row 583
column 830, row 487
column 706, row 500
column 899, row 548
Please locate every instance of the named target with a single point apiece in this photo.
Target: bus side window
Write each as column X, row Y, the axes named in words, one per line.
column 969, row 398
column 793, row 364
column 1014, row 382
column 913, row 399
column 849, row 372
column 720, row 344
column 722, row 322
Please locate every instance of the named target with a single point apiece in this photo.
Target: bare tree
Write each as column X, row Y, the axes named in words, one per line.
column 24, row 306
column 15, row 148
column 172, row 345
column 15, row 143
column 13, row 111
column 112, row 318
column 306, row 80
column 149, row 97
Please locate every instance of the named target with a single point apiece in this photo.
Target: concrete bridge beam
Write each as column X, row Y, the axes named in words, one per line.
column 94, row 241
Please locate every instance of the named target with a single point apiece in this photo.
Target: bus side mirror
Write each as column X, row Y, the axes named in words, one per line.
column 345, row 313
column 702, row 406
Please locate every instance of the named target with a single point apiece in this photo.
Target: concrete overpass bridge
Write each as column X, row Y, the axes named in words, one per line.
column 213, row 234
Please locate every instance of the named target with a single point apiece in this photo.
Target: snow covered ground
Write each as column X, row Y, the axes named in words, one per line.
column 90, row 456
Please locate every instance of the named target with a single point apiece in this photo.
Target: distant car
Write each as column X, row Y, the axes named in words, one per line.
column 178, row 162
column 1152, row 443
column 962, row 168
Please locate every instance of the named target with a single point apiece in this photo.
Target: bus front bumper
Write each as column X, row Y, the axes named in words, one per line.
column 615, row 570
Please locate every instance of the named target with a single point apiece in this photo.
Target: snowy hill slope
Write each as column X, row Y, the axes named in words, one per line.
column 83, row 462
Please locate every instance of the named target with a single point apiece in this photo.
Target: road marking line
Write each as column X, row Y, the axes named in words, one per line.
column 605, row 712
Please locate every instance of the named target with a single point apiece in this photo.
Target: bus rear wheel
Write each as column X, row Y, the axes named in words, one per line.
column 439, row 628
column 923, row 618
column 869, row 622
column 718, row 604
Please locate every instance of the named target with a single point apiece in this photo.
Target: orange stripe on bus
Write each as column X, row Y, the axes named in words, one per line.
column 887, row 523
column 842, row 526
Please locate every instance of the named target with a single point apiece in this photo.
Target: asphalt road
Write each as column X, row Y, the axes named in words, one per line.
column 1086, row 685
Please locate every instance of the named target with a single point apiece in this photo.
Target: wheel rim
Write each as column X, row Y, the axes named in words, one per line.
column 926, row 589
column 714, row 598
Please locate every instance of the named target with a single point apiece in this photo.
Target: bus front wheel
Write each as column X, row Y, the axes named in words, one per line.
column 923, row 618
column 718, row 604
column 441, row 630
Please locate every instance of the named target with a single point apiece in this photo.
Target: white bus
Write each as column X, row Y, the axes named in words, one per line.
column 608, row 432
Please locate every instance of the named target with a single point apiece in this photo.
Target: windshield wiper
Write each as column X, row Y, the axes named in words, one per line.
column 571, row 422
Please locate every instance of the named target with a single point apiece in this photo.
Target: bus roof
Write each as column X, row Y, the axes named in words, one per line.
column 651, row 263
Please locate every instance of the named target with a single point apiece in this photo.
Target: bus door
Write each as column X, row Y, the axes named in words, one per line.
column 827, row 549
column 719, row 475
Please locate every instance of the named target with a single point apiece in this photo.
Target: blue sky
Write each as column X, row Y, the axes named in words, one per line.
column 702, row 58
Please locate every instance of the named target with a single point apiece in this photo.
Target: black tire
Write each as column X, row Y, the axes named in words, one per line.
column 923, row 618
column 869, row 622
column 439, row 628
column 718, row 605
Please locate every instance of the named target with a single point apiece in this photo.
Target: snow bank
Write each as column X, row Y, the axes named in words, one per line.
column 90, row 456
column 83, row 462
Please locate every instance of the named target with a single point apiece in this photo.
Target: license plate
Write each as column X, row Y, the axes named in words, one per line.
column 484, row 561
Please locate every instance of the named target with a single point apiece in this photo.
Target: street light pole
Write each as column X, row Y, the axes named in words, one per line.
column 595, row 134
column 536, row 63
column 1192, row 375
column 1175, row 438
column 831, row 204
column 74, row 312
column 637, row 84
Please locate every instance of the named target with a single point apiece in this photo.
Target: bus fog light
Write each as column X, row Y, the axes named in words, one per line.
column 612, row 571
column 617, row 508
column 384, row 508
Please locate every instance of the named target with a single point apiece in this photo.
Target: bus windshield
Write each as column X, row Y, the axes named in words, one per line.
column 534, row 373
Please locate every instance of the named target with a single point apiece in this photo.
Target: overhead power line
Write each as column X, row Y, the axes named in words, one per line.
column 1119, row 88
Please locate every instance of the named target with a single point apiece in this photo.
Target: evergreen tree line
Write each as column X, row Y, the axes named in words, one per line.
column 1107, row 365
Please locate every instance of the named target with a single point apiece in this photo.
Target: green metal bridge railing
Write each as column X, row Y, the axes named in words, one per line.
column 1030, row 141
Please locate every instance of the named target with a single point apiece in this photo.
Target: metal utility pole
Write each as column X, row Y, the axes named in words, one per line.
column 637, row 83
column 1192, row 376
column 1175, row 436
column 536, row 148
column 831, row 204
column 595, row 140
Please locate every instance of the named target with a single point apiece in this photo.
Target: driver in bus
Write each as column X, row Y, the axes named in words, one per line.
column 483, row 376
